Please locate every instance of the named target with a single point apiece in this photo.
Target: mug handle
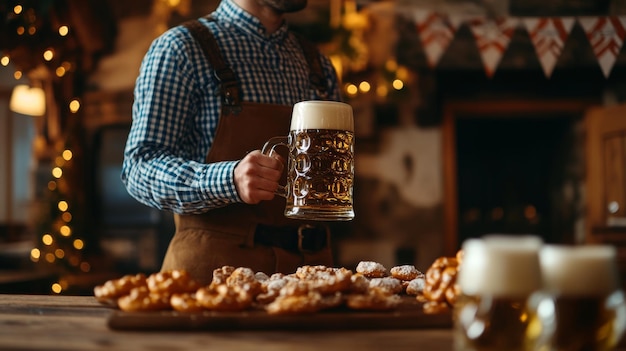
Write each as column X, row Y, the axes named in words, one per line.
column 268, row 150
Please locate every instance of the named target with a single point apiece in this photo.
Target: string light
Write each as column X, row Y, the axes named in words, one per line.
column 74, row 106
column 5, row 60
column 64, row 30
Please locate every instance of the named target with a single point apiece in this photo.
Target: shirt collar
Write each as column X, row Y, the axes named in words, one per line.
column 231, row 15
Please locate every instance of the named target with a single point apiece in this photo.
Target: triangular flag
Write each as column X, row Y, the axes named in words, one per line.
column 548, row 36
column 436, row 32
column 606, row 36
column 492, row 38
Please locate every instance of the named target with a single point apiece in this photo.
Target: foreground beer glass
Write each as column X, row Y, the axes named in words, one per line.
column 497, row 276
column 320, row 170
column 582, row 306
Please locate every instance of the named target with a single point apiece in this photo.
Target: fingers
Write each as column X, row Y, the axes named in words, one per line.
column 257, row 176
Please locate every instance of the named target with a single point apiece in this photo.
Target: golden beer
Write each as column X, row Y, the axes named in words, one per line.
column 497, row 275
column 582, row 306
column 320, row 165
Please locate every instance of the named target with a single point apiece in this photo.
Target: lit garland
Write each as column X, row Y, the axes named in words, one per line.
column 28, row 29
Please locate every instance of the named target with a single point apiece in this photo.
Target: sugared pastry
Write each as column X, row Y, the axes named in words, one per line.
column 375, row 299
column 371, row 269
column 390, row 284
column 405, row 272
column 415, row 286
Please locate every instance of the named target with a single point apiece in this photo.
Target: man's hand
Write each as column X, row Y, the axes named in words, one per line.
column 257, row 176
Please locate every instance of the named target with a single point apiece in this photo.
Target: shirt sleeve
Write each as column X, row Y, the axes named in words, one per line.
column 164, row 156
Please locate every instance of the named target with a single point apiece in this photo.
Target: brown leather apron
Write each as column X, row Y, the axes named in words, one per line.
column 226, row 236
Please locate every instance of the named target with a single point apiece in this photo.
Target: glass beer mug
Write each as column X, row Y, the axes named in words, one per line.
column 320, row 165
column 497, row 275
column 582, row 305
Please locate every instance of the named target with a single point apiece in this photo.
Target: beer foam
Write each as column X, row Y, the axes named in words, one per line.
column 579, row 270
column 499, row 265
column 322, row 115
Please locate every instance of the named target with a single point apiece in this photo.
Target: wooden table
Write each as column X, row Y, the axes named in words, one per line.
column 42, row 322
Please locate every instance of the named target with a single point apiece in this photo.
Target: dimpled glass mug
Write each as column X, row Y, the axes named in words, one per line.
column 320, row 170
column 497, row 275
column 581, row 307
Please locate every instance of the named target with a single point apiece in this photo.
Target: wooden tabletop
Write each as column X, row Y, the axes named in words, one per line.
column 42, row 322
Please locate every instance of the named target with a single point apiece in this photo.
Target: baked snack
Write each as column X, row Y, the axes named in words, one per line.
column 375, row 299
column 440, row 288
column 371, row 269
column 142, row 299
column 171, row 282
column 113, row 289
column 405, row 272
column 185, row 302
column 224, row 297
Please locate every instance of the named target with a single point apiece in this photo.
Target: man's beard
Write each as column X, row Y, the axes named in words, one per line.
column 284, row 6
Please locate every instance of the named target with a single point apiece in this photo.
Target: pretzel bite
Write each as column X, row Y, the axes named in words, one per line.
column 309, row 302
column 185, row 302
column 111, row 290
column 375, row 299
column 224, row 298
column 171, row 282
column 221, row 274
column 142, row 299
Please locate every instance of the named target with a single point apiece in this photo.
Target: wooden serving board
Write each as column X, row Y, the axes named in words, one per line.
column 407, row 316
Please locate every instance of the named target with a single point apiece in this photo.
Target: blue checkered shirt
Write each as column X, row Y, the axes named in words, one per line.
column 177, row 107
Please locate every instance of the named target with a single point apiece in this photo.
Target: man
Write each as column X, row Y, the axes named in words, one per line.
column 205, row 102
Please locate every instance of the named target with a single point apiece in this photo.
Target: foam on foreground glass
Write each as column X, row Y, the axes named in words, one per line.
column 582, row 304
column 497, row 275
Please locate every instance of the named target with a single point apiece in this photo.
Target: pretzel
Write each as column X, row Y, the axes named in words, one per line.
column 171, row 282
column 224, row 298
column 142, row 299
column 111, row 290
column 375, row 299
column 440, row 285
column 309, row 302
column 221, row 274
column 185, row 302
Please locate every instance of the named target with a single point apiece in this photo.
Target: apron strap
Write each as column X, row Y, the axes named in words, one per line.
column 229, row 87
column 316, row 71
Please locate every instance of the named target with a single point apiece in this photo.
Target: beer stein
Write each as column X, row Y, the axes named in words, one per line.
column 320, row 165
column 496, row 277
column 582, row 305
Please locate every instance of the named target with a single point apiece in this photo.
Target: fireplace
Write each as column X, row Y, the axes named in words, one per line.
column 514, row 167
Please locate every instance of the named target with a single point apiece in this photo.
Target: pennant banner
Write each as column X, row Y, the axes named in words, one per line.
column 548, row 35
column 436, row 32
column 492, row 38
column 606, row 36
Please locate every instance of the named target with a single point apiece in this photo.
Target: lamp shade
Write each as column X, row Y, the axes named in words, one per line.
column 28, row 100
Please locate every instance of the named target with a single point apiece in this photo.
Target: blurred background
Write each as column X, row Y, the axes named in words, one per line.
column 472, row 117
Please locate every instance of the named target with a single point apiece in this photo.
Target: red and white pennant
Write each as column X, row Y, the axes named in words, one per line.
column 436, row 32
column 548, row 35
column 606, row 36
column 492, row 38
